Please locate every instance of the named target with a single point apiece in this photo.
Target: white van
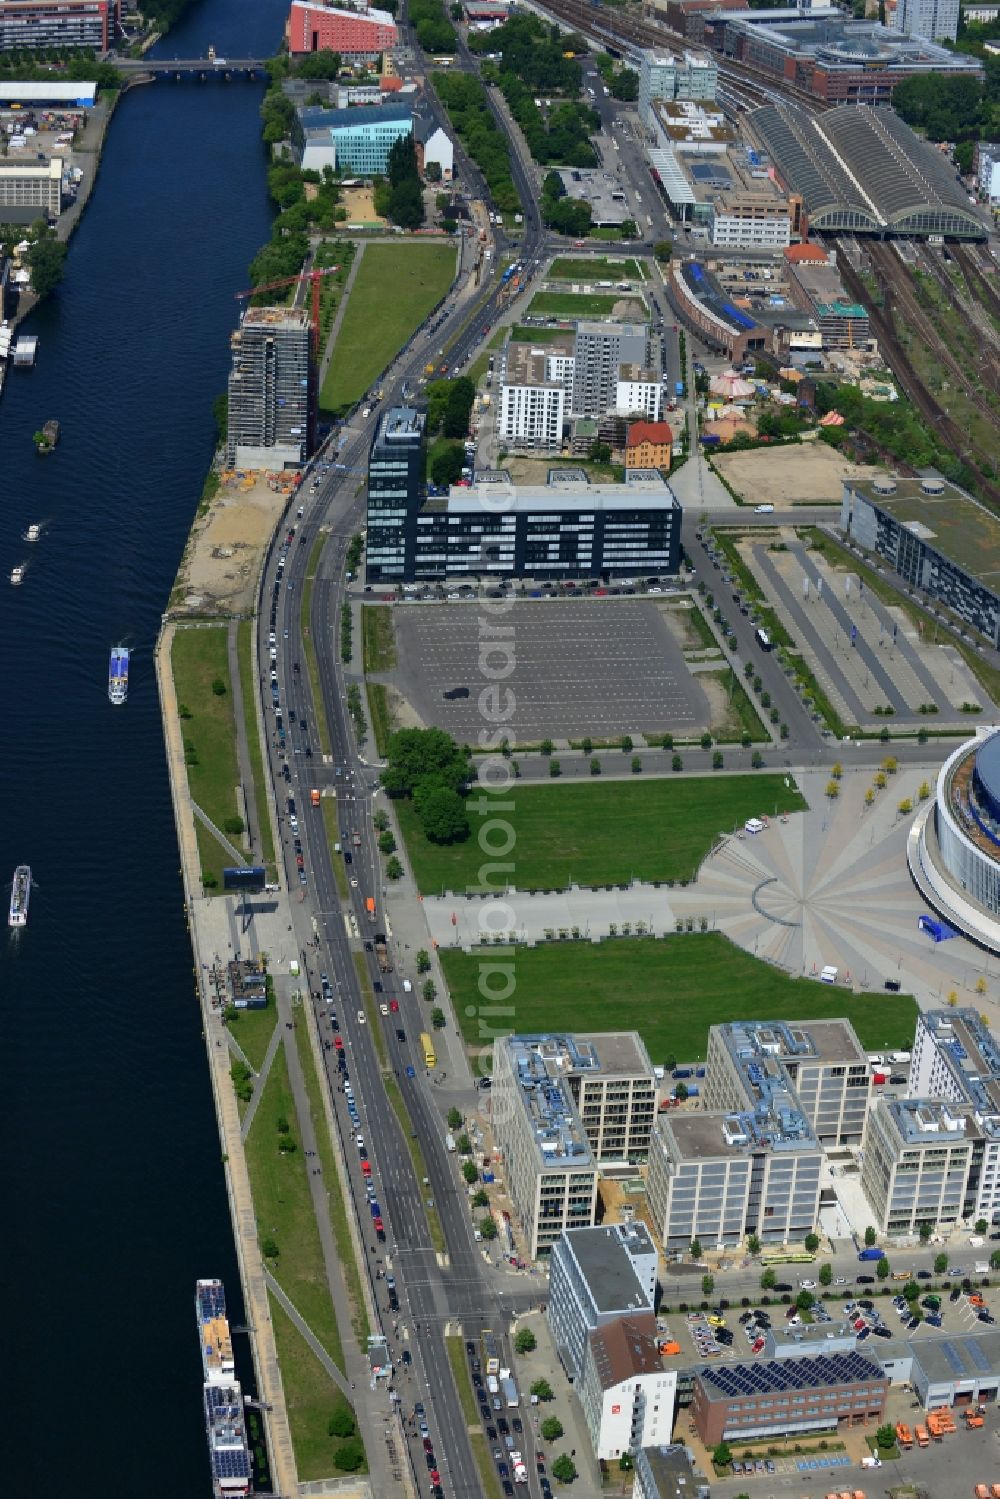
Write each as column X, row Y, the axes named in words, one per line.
column 763, row 509
column 753, row 825
column 899, row 1056
column 828, row 974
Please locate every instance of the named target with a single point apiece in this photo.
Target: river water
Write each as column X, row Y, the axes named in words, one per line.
column 112, row 1191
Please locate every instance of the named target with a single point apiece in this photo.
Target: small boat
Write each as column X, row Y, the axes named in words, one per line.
column 17, row 574
column 46, row 439
column 118, row 674
column 33, row 533
column 19, row 896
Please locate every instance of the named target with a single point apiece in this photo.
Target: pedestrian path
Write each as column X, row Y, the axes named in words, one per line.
column 260, row 1082
column 308, row 1334
column 207, row 822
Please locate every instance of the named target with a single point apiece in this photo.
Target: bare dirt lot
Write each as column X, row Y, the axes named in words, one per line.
column 360, row 205
column 807, row 473
column 218, row 571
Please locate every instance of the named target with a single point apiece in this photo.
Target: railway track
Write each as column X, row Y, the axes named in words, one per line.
column 971, row 266
column 971, row 307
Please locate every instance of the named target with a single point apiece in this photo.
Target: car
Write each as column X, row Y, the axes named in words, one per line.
column 923, row 1275
column 394, row 1006
column 882, row 1332
column 866, row 1280
column 868, row 1305
column 864, row 1333
column 737, row 1469
column 428, row 1445
column 361, row 1017
column 912, row 1322
column 955, row 1294
column 508, row 1489
column 933, row 1320
column 491, row 1432
column 502, row 1426
column 502, row 1468
column 410, row 1072
column 383, row 1009
column 986, row 1317
column 841, row 1280
column 769, row 1465
column 807, row 1285
column 517, row 1425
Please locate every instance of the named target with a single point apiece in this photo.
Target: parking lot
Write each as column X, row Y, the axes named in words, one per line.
column 601, row 667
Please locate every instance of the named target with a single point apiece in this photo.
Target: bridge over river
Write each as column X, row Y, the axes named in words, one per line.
column 177, row 67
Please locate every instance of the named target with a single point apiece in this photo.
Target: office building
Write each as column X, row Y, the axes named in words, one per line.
column 596, row 1276
column 356, row 140
column 956, row 1058
column 272, row 407
column 916, row 1164
column 665, row 1473
column 566, row 528
column 988, row 171
column 665, row 76
column 550, row 1168
column 933, row 20
column 649, row 445
column 953, row 850
column 638, row 392
column 30, row 190
column 600, row 349
column 35, row 25
column 359, row 36
column 816, row 287
column 533, row 401
column 787, row 1398
column 626, row 1394
column 395, row 486
column 719, row 1176
column 820, row 1061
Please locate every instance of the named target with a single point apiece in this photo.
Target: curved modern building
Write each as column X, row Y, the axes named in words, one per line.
column 953, row 848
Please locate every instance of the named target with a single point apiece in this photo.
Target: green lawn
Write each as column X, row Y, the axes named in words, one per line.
column 379, row 637
column 585, row 268
column 603, row 832
column 253, row 1030
column 395, row 288
column 571, row 304
column 331, row 822
column 381, row 716
column 527, row 335
column 311, row 1397
column 670, row 990
column 309, row 650
column 200, row 657
column 258, row 791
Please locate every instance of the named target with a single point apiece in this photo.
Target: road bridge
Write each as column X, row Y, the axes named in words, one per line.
column 222, row 67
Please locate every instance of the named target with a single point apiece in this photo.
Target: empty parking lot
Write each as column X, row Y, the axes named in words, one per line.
column 598, row 667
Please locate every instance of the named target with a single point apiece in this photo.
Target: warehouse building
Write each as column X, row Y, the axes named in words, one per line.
column 596, row 1276
column 47, row 93
column 861, row 170
column 30, row 190
column 961, row 1369
column 787, row 1397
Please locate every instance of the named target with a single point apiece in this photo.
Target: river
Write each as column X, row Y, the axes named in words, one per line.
column 112, row 1188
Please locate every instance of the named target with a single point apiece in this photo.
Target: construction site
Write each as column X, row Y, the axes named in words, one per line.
column 221, row 563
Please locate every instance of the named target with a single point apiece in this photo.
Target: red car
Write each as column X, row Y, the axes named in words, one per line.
column 394, row 1006
column 428, row 1445
column 435, row 1478
column 366, row 1170
column 758, row 1345
column 379, row 1226
column 338, row 1042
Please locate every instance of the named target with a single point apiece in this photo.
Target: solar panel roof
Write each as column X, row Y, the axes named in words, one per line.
column 791, row 1374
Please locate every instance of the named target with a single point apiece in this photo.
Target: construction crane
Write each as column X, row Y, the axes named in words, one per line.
column 314, row 277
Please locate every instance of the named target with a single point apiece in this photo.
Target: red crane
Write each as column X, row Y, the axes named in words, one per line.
column 313, row 277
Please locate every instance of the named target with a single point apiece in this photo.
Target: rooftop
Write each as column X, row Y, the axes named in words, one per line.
column 944, row 517
column 671, row 1466
column 602, row 1254
column 835, row 41
column 731, row 1381
column 315, row 117
column 275, row 317
column 686, row 120
column 819, row 1041
column 700, row 1135
column 654, row 432
column 402, row 425
column 559, row 1135
column 526, row 365
column 623, row 1349
column 644, row 489
column 609, row 1053
column 925, row 1121
column 970, row 1050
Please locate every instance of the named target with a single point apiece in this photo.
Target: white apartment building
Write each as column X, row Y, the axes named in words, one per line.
column 627, row 1396
column 597, row 1275
column 745, row 223
column 638, row 391
column 932, row 20
column 988, row 172
column 534, row 404
column 916, row 1164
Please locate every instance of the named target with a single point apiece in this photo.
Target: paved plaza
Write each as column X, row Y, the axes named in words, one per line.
column 597, row 667
column 825, row 886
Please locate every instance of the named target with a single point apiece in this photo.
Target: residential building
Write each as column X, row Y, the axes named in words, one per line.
column 627, row 1396
column 663, row 75
column 599, row 351
column 719, row 1176
column 550, row 1168
column 787, row 1397
column 272, row 395
column 933, row 20
column 565, row 528
column 649, row 445
column 596, row 1276
column 359, row 36
column 35, row 25
column 988, row 171
column 30, row 190
column 356, row 140
column 821, row 1062
column 532, row 409
column 395, row 487
column 638, row 391
column 666, row 1473
column 917, row 1158
column 980, row 15
column 439, row 150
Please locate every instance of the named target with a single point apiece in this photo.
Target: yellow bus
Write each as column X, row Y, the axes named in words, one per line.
column 430, row 1060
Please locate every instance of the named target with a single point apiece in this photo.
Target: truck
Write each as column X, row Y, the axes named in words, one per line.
column 314, row 796
column 370, row 907
column 520, row 1471
column 449, row 1143
column 874, row 1253
column 491, row 1351
column 678, row 387
column 509, row 1389
column 382, row 953
column 920, row 1432
column 356, row 839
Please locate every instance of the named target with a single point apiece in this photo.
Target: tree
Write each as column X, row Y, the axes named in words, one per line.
column 627, row 744
column 676, row 763
column 911, row 1290
column 826, row 1275
column 542, row 1389
column 804, row 1300
column 885, row 1436
column 768, row 1279
column 925, row 1232
column 438, row 1019
column 940, row 1264
column 717, row 760
column 551, row 1429
column 722, row 1455
column 393, row 868
column 870, row 1237
column 981, row 1225
column 832, row 790
column 707, row 1285
column 663, row 250
column 349, row 1456
column 695, row 1249
column 386, row 842
column 269, row 1248
column 681, row 1092
column 418, row 756
column 423, row 960
column 555, row 769
column 443, row 815
column 995, row 1260
column 464, row 1145
column 446, row 464
column 45, row 260
column 470, row 1172
column 341, row 1423
column 882, row 1268
column 812, row 1243
column 525, row 1341
column 546, row 747
column 564, row 1468
column 429, row 990
column 753, row 1244
column 454, row 1118
column 481, row 1199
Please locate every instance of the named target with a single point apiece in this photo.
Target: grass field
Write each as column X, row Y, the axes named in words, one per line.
column 311, row 1397
column 258, row 792
column 463, row 1384
column 526, row 335
column 395, row 288
column 572, row 304
column 332, row 825
column 381, row 717
column 200, row 657
column 585, row 268
column 379, row 637
column 603, row 833
column 253, row 1030
column 670, row 990
column 309, row 650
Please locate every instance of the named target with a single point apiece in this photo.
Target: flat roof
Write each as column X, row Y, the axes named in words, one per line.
column 814, row 1371
column 560, row 1140
column 975, row 1356
column 672, row 1472
column 607, row 1269
column 46, row 91
column 649, row 494
column 950, row 521
column 699, row 1135
column 794, row 1041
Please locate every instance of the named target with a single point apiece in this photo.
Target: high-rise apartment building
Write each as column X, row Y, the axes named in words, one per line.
column 272, row 396
column 664, row 76
column 931, row 20
column 395, row 487
column 599, row 352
